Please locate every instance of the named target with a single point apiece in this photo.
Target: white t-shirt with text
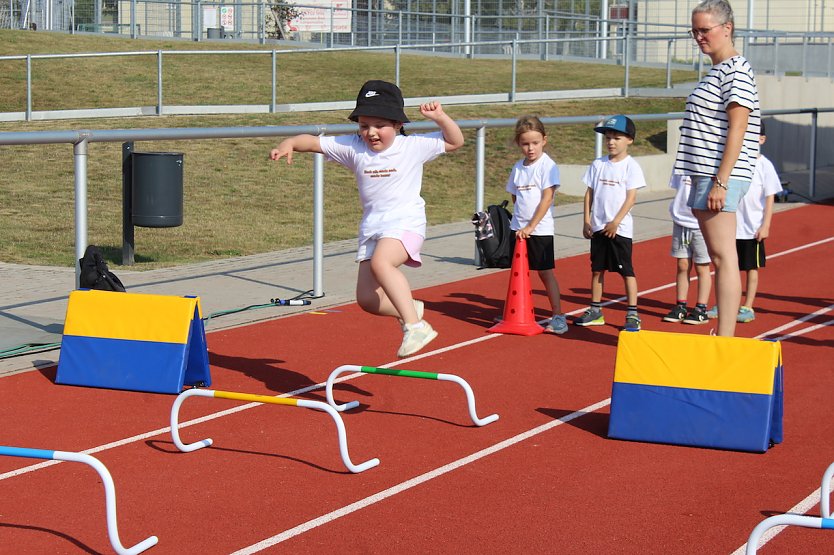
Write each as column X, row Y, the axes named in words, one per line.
column 390, row 181
column 610, row 181
column 527, row 184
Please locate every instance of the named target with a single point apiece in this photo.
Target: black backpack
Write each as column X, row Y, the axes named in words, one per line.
column 492, row 236
column 95, row 274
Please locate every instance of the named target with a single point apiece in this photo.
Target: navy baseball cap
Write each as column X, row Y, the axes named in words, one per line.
column 380, row 99
column 619, row 123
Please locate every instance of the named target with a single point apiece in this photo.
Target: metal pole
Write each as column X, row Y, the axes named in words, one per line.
column 604, row 29
column 514, row 69
column 318, row 224
column 480, row 167
column 128, row 242
column 28, row 87
column 133, row 19
column 627, row 58
column 397, row 64
column 80, row 158
column 159, row 82
column 274, row 106
column 480, row 164
column 812, row 183
column 669, row 63
column 467, row 26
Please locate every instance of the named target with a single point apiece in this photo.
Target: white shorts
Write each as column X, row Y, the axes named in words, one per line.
column 689, row 243
column 412, row 242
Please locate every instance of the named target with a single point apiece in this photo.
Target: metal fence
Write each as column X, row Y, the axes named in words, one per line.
column 428, row 22
column 776, row 54
column 81, row 141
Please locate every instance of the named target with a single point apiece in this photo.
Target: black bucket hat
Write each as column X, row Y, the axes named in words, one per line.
column 380, row 99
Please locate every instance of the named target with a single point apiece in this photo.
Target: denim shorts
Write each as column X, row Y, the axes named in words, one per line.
column 701, row 186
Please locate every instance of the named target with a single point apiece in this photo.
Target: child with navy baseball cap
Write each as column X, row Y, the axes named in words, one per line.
column 612, row 182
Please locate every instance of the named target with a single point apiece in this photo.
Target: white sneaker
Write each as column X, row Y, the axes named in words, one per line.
column 419, row 307
column 415, row 337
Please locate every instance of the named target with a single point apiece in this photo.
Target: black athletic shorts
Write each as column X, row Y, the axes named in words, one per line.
column 539, row 251
column 751, row 254
column 611, row 255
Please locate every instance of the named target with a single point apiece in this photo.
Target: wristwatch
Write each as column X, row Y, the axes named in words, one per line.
column 718, row 182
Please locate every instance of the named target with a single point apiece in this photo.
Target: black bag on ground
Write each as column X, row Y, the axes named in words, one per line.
column 492, row 236
column 95, row 274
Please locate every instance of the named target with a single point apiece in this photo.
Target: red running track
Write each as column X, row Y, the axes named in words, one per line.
column 542, row 479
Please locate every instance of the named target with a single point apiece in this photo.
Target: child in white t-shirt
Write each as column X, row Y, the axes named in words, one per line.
column 388, row 166
column 689, row 249
column 612, row 183
column 753, row 217
column 532, row 183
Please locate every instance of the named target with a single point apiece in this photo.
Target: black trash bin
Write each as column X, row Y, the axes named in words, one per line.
column 215, row 33
column 156, row 199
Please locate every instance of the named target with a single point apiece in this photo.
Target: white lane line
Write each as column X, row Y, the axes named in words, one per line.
column 220, row 414
column 416, row 481
column 794, row 323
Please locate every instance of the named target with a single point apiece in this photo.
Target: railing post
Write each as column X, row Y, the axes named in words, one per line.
column 128, row 238
column 28, row 87
column 318, row 224
column 514, row 68
column 627, row 60
column 273, row 107
column 133, row 19
column 399, row 28
column 480, row 164
column 812, row 181
column 80, row 160
column 669, row 63
column 805, row 56
column 159, row 82
column 397, row 64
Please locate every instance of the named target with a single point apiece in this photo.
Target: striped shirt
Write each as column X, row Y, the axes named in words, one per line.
column 705, row 123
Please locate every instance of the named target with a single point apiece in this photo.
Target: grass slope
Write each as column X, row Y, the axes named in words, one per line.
column 236, row 201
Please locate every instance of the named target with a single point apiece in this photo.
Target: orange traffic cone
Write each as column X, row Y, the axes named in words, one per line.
column 518, row 310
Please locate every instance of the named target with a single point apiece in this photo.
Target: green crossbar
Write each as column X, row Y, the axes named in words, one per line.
column 403, row 373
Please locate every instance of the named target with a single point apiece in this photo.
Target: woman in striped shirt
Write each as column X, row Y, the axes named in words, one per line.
column 718, row 148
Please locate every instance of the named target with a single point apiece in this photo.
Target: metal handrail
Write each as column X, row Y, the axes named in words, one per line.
column 81, row 138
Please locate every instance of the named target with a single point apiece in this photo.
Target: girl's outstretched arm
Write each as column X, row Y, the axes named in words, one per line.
column 451, row 132
column 299, row 143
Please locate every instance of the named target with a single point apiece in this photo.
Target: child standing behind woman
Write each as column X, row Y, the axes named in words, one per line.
column 612, row 182
column 532, row 183
column 388, row 166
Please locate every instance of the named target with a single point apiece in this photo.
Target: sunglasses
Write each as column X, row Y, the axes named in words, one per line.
column 695, row 33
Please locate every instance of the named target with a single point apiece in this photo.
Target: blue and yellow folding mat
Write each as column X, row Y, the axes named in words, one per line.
column 697, row 390
column 133, row 341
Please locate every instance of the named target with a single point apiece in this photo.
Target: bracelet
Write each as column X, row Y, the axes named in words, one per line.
column 718, row 182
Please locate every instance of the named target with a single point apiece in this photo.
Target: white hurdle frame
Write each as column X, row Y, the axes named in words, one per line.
column 109, row 491
column 820, row 522
column 265, row 399
column 470, row 395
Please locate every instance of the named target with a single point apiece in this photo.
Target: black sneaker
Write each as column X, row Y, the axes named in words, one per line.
column 677, row 314
column 696, row 316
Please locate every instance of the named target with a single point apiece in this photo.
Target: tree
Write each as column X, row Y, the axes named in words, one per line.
column 280, row 14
